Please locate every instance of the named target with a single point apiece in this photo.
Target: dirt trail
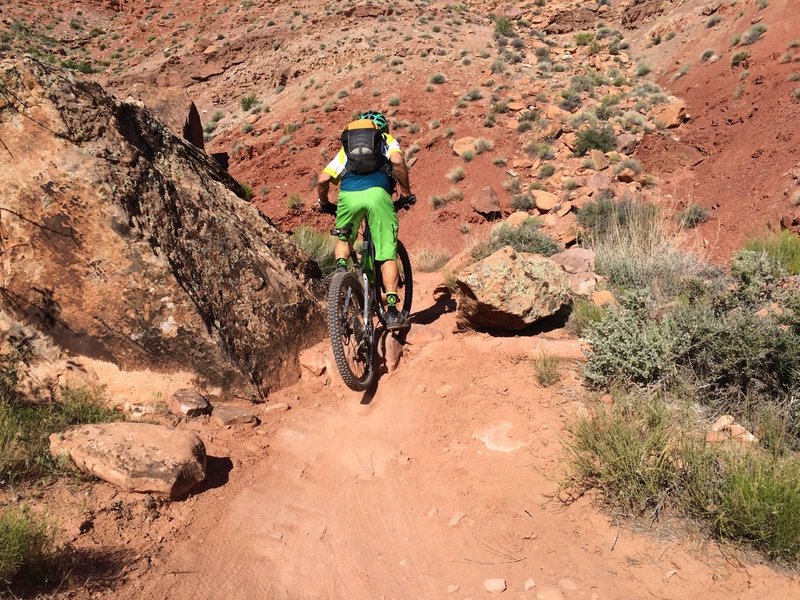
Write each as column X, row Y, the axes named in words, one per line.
column 398, row 499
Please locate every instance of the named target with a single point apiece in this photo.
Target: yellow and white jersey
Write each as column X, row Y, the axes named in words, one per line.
column 337, row 166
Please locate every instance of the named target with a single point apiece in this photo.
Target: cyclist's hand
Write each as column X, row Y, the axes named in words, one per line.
column 328, row 208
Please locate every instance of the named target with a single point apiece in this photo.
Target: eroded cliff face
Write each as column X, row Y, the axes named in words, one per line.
column 123, row 242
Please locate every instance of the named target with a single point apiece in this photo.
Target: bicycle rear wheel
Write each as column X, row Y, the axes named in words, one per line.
column 351, row 336
column 405, row 288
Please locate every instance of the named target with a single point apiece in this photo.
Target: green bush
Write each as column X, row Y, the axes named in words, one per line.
column 752, row 35
column 503, row 26
column 547, row 369
column 692, row 216
column 782, row 248
column 629, row 347
column 26, row 424
column 26, row 542
column 584, row 39
column 739, row 58
column 438, row 78
column 597, row 138
column 526, row 238
column 248, row 102
column 645, row 456
column 318, row 246
column 585, row 312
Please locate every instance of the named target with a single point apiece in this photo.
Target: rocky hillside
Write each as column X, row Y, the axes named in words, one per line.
column 123, row 243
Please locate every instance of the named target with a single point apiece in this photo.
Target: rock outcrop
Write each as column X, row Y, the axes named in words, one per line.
column 122, row 242
column 138, row 457
column 511, row 290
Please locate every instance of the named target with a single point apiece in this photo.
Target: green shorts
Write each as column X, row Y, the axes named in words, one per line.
column 376, row 204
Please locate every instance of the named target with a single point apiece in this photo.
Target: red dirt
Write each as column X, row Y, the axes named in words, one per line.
column 751, row 142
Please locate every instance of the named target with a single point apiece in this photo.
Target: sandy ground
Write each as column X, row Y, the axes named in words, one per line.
column 445, row 478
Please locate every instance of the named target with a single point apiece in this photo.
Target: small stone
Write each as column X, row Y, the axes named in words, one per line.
column 277, row 407
column 313, row 360
column 603, row 298
column 452, row 589
column 529, row 584
column 626, row 175
column 495, row 586
column 393, row 352
column 233, row 415
column 544, row 201
column 722, row 422
column 599, row 159
column 550, row 593
column 456, row 519
column 189, row 403
column 626, row 143
column 433, row 512
column 516, row 219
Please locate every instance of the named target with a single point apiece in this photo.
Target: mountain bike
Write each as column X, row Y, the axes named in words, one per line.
column 355, row 299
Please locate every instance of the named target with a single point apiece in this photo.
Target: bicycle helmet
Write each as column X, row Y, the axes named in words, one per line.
column 377, row 118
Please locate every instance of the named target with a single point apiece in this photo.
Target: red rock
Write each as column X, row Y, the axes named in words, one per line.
column 313, row 360
column 485, row 202
column 599, row 159
column 422, row 335
column 603, row 298
column 544, row 201
column 465, row 145
column 670, row 115
column 189, row 403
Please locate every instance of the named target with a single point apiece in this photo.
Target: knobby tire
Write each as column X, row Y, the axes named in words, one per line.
column 353, row 351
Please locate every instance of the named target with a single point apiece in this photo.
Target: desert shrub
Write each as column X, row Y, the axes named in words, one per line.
column 642, row 69
column 570, row 100
column 752, row 35
column 26, row 542
column 547, row 369
column 522, row 202
column 482, row 145
column 598, row 138
column 629, row 163
column 584, row 39
column 25, row 424
column 528, row 237
column 585, row 312
column 318, row 246
column 546, row 170
column 645, row 455
column 248, row 102
column 707, row 54
column 431, row 259
column 713, row 20
column 739, row 58
column 473, row 95
column 628, row 346
column 692, row 216
column 455, row 174
column 503, row 26
column 633, row 248
column 782, row 248
column 582, row 83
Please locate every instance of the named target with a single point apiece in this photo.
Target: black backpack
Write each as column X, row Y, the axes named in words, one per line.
column 364, row 147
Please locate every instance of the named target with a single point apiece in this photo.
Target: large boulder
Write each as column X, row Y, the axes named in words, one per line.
column 511, row 290
column 124, row 243
column 137, row 457
column 484, row 202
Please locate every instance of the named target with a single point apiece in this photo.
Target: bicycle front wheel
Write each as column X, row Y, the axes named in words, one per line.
column 351, row 335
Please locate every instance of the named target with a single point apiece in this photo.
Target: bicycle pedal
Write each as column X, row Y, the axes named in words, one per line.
column 342, row 231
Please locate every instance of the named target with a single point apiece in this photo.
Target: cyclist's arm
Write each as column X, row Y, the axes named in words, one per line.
column 323, row 186
column 400, row 171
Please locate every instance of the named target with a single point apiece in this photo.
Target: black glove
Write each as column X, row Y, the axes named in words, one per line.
column 329, row 208
column 405, row 201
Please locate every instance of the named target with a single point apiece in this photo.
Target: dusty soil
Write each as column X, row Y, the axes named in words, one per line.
column 396, row 495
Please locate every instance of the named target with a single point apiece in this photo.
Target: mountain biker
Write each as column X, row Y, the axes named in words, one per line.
column 369, row 194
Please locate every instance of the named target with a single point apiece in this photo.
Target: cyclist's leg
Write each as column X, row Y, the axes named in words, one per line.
column 349, row 212
column 383, row 224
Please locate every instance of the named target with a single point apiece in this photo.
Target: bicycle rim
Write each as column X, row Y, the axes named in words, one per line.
column 351, row 339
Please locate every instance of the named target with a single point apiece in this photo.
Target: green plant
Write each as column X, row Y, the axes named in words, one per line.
column 598, row 138
column 503, row 26
column 547, row 368
column 752, row 35
column 429, row 259
column 318, row 246
column 546, row 170
column 707, row 54
column 26, row 542
column 713, row 20
column 692, row 216
column 248, row 102
column 526, row 238
column 584, row 39
column 394, row 101
column 467, row 156
column 294, row 202
column 247, row 190
column 642, row 69
column 482, row 145
column 438, row 78
column 585, row 312
column 473, row 94
column 456, row 174
column 782, row 249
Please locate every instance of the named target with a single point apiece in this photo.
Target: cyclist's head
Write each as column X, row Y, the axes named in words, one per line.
column 377, row 118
